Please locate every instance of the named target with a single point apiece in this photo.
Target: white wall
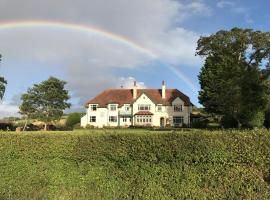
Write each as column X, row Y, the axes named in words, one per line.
column 102, row 114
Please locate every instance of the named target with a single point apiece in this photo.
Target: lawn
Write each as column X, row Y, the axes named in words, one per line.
column 135, row 164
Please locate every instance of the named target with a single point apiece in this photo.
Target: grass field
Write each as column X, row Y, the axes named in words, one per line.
column 135, row 164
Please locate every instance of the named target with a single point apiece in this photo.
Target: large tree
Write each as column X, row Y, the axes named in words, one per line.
column 45, row 101
column 3, row 83
column 232, row 81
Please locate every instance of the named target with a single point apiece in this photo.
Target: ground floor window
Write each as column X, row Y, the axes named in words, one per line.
column 178, row 121
column 126, row 119
column 93, row 119
column 144, row 119
column 112, row 118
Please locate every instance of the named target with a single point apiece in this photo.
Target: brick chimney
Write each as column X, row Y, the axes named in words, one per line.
column 163, row 90
column 135, row 90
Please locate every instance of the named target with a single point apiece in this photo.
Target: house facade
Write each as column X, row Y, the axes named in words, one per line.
column 138, row 107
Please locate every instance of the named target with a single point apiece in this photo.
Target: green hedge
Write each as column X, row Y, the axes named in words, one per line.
column 135, row 164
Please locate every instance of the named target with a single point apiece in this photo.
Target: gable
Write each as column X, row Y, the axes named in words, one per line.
column 143, row 99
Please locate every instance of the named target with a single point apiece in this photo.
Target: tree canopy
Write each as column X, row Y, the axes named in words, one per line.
column 3, row 83
column 235, row 76
column 45, row 101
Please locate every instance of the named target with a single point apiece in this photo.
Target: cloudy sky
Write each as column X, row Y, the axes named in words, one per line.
column 99, row 44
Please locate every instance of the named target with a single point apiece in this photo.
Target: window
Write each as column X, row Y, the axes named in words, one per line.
column 159, row 108
column 93, row 119
column 144, row 107
column 143, row 119
column 126, row 119
column 112, row 118
column 113, row 107
column 178, row 121
column 177, row 108
column 127, row 107
column 93, row 107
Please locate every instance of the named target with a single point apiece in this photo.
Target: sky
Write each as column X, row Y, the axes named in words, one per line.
column 98, row 44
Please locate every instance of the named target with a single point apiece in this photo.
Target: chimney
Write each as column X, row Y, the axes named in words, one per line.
column 134, row 90
column 163, row 90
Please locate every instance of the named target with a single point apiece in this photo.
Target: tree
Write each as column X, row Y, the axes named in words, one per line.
column 45, row 101
column 3, row 83
column 27, row 108
column 231, row 79
column 72, row 119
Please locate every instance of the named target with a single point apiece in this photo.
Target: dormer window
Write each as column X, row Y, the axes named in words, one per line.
column 177, row 108
column 113, row 107
column 93, row 107
column 127, row 107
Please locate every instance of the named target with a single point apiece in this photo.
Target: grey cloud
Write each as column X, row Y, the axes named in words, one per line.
column 88, row 61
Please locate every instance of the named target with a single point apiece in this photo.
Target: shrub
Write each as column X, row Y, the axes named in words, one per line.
column 77, row 126
column 72, row 119
column 253, row 119
column 228, row 121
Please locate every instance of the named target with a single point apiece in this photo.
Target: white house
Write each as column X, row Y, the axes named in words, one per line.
column 138, row 107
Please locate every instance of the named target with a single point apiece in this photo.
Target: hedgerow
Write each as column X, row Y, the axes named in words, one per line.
column 135, row 164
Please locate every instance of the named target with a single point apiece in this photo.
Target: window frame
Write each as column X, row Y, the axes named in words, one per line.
column 178, row 108
column 91, row 119
column 144, row 107
column 113, row 105
column 92, row 106
column 159, row 108
column 176, row 122
column 113, row 121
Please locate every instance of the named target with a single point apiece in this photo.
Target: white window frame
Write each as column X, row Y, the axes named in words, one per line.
column 114, row 106
column 159, row 108
column 144, row 107
column 93, row 119
column 144, row 119
column 126, row 119
column 93, row 106
column 178, row 108
column 176, row 122
column 113, row 117
column 127, row 107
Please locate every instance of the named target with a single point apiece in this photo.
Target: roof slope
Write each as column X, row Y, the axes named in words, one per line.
column 124, row 96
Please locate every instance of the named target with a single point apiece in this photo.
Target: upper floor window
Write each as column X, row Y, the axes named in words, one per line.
column 159, row 108
column 127, row 107
column 113, row 107
column 93, row 119
column 177, row 108
column 93, row 107
column 144, row 107
column 112, row 118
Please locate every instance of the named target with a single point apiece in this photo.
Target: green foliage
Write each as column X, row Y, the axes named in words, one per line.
column 234, row 78
column 228, row 121
column 45, row 101
column 72, row 119
column 135, row 164
column 252, row 119
column 3, row 83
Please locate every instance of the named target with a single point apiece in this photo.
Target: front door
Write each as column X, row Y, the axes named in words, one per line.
column 162, row 122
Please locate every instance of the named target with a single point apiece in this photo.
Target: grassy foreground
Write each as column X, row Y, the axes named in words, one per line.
column 135, row 164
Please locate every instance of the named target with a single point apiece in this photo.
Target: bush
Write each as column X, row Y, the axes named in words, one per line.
column 135, row 164
column 72, row 119
column 253, row 119
column 228, row 121
column 77, row 126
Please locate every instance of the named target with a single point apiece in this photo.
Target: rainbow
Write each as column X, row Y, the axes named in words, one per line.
column 77, row 27
column 93, row 30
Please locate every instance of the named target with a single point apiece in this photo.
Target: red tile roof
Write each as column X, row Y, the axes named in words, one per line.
column 143, row 113
column 124, row 96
